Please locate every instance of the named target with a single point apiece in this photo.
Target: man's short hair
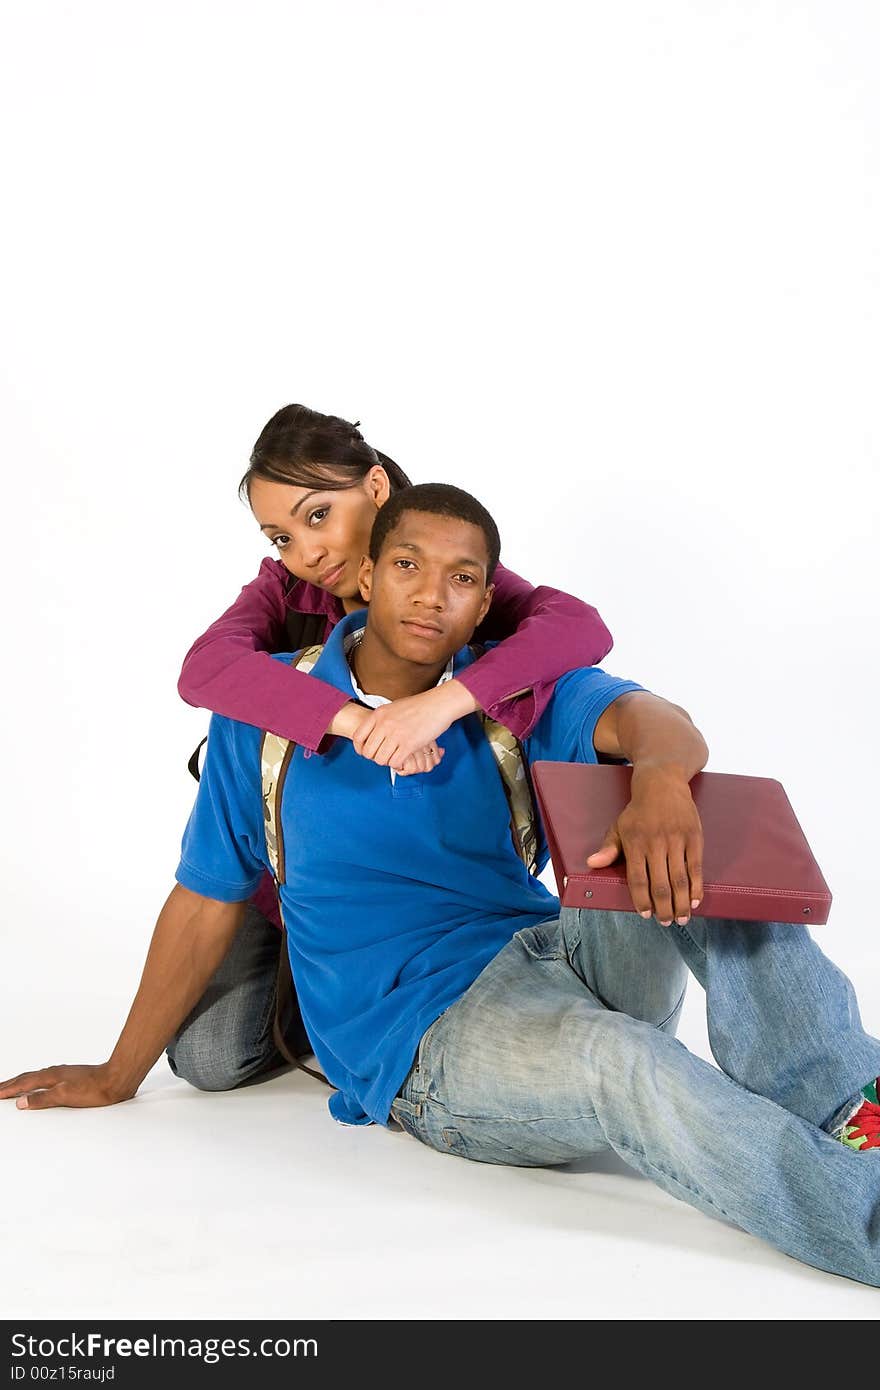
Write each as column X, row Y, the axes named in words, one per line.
column 437, row 499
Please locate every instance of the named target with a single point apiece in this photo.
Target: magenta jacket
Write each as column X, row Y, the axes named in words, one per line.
column 543, row 633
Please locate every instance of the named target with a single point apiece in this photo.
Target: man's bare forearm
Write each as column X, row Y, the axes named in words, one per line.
column 191, row 938
column 652, row 733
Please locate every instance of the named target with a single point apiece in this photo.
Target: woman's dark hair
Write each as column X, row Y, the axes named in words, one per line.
column 308, row 449
column 437, row 499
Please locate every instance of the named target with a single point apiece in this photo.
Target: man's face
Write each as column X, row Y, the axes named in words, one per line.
column 427, row 591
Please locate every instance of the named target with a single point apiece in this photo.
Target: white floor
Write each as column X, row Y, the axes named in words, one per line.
column 255, row 1204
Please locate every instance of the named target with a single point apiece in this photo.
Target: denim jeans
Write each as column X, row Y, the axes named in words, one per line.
column 227, row 1038
column 564, row 1047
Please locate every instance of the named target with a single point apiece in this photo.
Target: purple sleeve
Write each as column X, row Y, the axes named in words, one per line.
column 229, row 669
column 542, row 633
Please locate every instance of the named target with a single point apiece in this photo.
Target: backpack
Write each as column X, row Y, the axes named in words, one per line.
column 275, row 756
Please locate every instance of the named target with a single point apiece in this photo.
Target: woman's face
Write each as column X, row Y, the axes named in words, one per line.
column 321, row 535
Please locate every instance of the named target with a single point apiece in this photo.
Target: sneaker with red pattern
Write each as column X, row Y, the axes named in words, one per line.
column 861, row 1129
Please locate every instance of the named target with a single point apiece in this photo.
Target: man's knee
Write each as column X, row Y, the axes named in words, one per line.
column 207, row 1069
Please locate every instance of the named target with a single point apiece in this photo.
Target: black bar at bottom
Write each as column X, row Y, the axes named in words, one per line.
column 131, row 1354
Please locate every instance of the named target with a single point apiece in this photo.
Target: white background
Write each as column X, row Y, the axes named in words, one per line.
column 615, row 270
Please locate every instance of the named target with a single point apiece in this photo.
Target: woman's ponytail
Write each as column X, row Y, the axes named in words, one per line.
column 396, row 475
column 308, row 449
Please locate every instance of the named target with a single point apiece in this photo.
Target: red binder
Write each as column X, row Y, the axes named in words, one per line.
column 757, row 865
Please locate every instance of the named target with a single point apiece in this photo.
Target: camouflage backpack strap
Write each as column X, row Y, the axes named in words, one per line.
column 275, row 755
column 514, row 771
column 513, row 768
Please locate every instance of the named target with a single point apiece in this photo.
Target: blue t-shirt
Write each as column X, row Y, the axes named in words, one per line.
column 398, row 893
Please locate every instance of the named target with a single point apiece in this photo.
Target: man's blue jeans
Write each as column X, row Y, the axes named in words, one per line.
column 563, row 1047
column 227, row 1040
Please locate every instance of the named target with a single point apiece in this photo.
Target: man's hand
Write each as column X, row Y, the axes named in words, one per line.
column 661, row 836
column 402, row 735
column 189, row 941
column 77, row 1087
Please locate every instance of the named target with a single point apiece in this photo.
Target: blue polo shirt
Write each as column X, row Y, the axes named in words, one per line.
column 399, row 893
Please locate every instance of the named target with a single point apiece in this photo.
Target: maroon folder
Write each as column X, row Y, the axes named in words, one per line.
column 757, row 865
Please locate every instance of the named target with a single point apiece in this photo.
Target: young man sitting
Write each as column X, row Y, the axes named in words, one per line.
column 439, row 982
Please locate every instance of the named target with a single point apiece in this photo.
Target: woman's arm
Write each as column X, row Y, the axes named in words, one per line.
column 229, row 669
column 542, row 633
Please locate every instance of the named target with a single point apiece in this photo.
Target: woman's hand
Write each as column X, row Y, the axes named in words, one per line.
column 348, row 722
column 404, row 732
column 77, row 1087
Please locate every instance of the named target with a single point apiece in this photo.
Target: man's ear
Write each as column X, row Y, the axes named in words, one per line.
column 486, row 604
column 365, row 578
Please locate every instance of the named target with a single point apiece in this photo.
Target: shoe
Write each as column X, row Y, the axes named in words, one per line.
column 862, row 1128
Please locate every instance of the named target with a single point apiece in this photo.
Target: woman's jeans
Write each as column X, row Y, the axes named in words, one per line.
column 563, row 1047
